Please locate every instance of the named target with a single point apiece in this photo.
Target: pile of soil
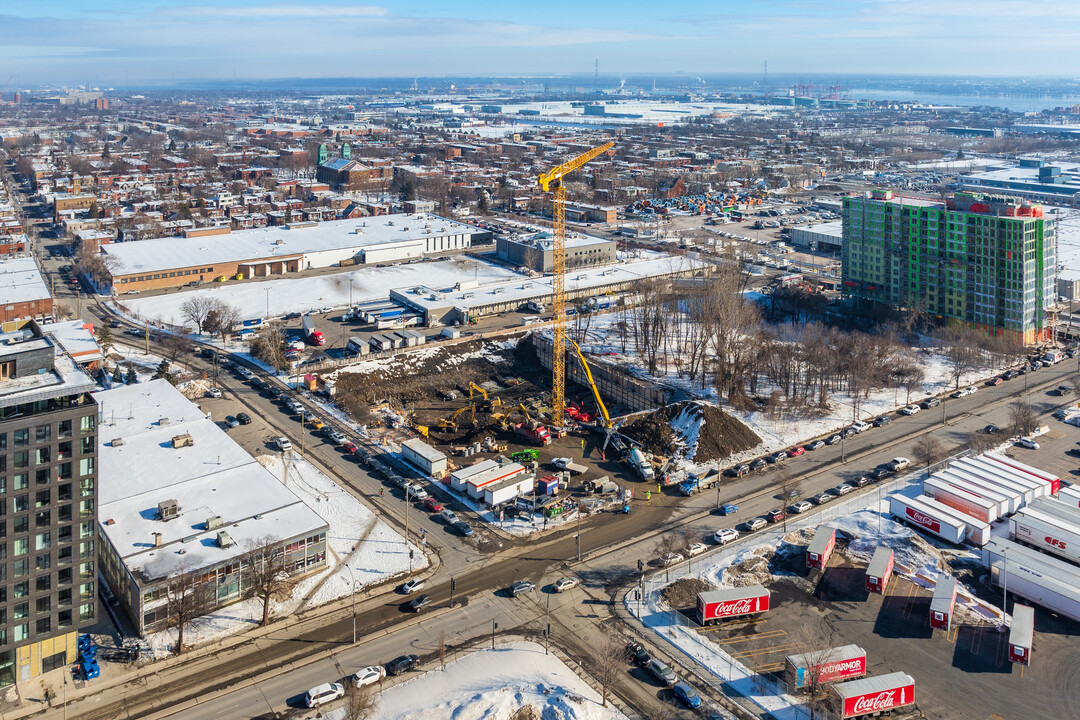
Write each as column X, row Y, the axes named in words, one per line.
column 683, row 593
column 718, row 435
column 754, row 570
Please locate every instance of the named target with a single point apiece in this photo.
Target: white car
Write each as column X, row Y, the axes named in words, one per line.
column 416, row 492
column 671, row 558
column 282, row 443
column 909, row 410
column 412, row 585
column 899, row 463
column 801, row 506
column 696, row 549
column 964, row 392
column 859, row 426
column 725, row 535
column 322, row 694
column 1029, row 443
column 842, row 489
column 756, row 523
column 369, row 675
column 564, row 584
column 213, row 392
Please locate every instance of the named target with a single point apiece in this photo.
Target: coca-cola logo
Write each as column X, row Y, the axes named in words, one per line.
column 1054, row 542
column 736, row 607
column 873, row 703
column 922, row 519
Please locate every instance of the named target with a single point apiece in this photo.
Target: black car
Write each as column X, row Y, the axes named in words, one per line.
column 1009, row 374
column 929, row 403
column 402, row 664
column 243, row 418
column 419, row 603
column 861, row 481
column 758, row 464
column 883, row 420
column 462, row 528
column 738, row 471
column 207, row 353
column 637, row 654
column 990, row 429
column 881, row 472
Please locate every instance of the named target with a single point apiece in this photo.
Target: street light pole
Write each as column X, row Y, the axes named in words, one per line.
column 494, row 627
column 547, row 624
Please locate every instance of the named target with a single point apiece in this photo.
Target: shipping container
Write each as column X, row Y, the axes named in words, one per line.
column 824, row 666
column 1030, row 488
column 920, row 513
column 1002, row 503
column 960, row 498
column 1046, row 532
column 1053, row 481
column 1013, row 495
column 880, row 570
column 1035, row 576
column 1021, row 634
column 871, row 695
column 1054, row 506
column 507, row 490
column 943, row 603
column 1069, row 494
column 821, row 547
column 716, row 605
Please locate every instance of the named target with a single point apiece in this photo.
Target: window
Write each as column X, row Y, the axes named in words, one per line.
column 43, row 476
column 64, row 491
column 21, row 460
column 86, row 570
column 21, row 546
column 20, row 611
column 88, row 445
column 43, row 433
column 63, row 597
column 63, row 428
column 43, row 541
column 86, row 508
column 22, row 503
column 43, row 562
column 42, row 498
column 86, row 611
column 86, row 549
column 63, row 514
column 21, row 481
column 20, row 568
column 63, row 577
column 20, row 438
column 86, row 466
column 21, row 589
column 43, row 604
column 20, row 525
column 44, row 626
column 43, row 583
column 42, row 518
column 86, row 591
column 86, row 529
column 87, row 423
column 63, row 619
column 20, row 632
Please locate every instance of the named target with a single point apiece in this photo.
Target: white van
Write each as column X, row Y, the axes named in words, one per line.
column 322, row 694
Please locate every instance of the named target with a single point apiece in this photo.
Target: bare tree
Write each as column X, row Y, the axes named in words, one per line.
column 927, row 450
column 963, row 353
column 1074, row 381
column 175, row 345
column 196, row 309
column 1022, row 418
column 607, row 662
column 787, row 484
column 814, row 682
column 187, row 598
column 269, row 345
column 221, row 318
column 360, row 702
column 980, row 442
column 265, row 571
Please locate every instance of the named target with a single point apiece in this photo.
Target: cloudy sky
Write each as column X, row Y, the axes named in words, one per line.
column 115, row 42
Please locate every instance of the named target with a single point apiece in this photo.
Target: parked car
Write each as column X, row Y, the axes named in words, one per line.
column 725, row 535
column 739, row 470
column 448, row 516
column 1029, row 443
column 416, row 491
column 637, row 654
column 995, row 381
column 686, row 695
column 671, row 558
column 822, row 498
column 213, row 392
column 728, row 509
column 419, row 603
column 243, row 418
column 662, row 672
column 322, row 694
column 848, row 432
column 842, row 489
column 882, row 420
column 964, row 392
column 860, row 426
column 777, row 457
column 402, row 664
column 832, row 440
column 368, row 675
column 412, row 585
column 862, row 481
column 758, row 464
column 816, row 445
column 696, row 549
column 1009, row 374
column 801, row 506
column 433, row 505
column 282, row 443
column 756, row 523
column 775, row 515
column 231, row 422
column 796, row 451
column 929, row 403
column 910, row 409
column 463, row 528
column 521, row 587
column 564, row 584
column 881, row 472
column 348, row 447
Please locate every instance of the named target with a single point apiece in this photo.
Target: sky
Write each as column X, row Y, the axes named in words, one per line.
column 124, row 42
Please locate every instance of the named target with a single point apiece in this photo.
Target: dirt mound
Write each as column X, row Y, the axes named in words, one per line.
column 683, row 593
column 696, row 430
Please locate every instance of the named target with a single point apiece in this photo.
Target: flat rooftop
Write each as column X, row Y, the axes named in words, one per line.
column 278, row 242
column 65, row 377
column 21, row 281
column 213, row 477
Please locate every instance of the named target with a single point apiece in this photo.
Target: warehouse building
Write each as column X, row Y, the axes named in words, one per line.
column 537, row 252
column 1031, row 179
column 823, row 237
column 197, row 522
column 23, row 293
column 263, row 252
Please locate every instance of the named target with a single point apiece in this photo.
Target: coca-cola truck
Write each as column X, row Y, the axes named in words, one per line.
column 824, row 666
column 879, row 571
column 943, row 603
column 821, row 547
column 1021, row 634
column 716, row 605
column 871, row 695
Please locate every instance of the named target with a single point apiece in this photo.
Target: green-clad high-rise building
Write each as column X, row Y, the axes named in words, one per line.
column 987, row 261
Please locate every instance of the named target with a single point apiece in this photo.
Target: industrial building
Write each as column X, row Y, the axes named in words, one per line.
column 262, row 252
column 23, row 292
column 823, row 237
column 987, row 261
column 200, row 518
column 1031, row 179
column 48, row 568
column 537, row 252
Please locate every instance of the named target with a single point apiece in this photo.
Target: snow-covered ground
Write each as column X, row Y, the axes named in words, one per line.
column 306, row 294
column 362, row 551
column 493, row 685
column 870, row 525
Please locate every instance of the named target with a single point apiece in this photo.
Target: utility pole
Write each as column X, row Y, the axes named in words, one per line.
column 494, row 627
column 547, row 624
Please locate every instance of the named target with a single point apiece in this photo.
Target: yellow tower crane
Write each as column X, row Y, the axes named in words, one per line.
column 552, row 181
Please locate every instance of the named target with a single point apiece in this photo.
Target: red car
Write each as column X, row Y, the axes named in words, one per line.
column 796, row 451
column 995, row 381
column 348, row 447
column 432, row 505
column 775, row 515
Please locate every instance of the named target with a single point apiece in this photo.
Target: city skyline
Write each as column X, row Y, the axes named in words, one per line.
column 124, row 43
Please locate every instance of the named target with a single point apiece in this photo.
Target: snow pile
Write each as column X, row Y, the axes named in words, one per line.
column 870, row 529
column 362, row 551
column 687, row 427
column 493, row 684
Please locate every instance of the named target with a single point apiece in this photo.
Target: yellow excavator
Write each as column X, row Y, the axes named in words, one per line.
column 488, row 403
column 451, row 423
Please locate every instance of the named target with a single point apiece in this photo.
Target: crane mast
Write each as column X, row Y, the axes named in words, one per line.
column 552, row 181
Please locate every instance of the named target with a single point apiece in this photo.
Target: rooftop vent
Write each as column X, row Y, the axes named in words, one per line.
column 164, row 421
column 116, row 442
column 223, row 540
column 184, row 440
column 157, row 539
column 168, row 509
column 213, row 522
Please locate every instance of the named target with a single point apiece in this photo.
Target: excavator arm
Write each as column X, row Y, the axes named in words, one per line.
column 592, row 384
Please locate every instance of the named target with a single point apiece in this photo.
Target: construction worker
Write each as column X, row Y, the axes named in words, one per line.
column 657, row 488
column 648, row 494
column 582, row 443
column 381, row 490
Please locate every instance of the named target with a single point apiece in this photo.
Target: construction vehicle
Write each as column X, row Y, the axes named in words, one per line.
column 552, row 181
column 538, row 435
column 489, row 403
column 451, row 423
column 526, row 455
column 642, row 465
column 568, row 464
column 601, row 486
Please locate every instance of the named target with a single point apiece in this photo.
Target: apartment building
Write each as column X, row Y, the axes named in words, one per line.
column 988, row 261
column 48, row 513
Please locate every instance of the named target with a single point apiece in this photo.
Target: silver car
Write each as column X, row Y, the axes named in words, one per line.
column 756, row 523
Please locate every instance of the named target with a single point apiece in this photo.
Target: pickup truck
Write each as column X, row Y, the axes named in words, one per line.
column 565, row 463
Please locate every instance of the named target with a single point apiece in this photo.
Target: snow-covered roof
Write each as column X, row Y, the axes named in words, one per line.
column 279, row 241
column 21, row 281
column 210, row 477
column 76, row 337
